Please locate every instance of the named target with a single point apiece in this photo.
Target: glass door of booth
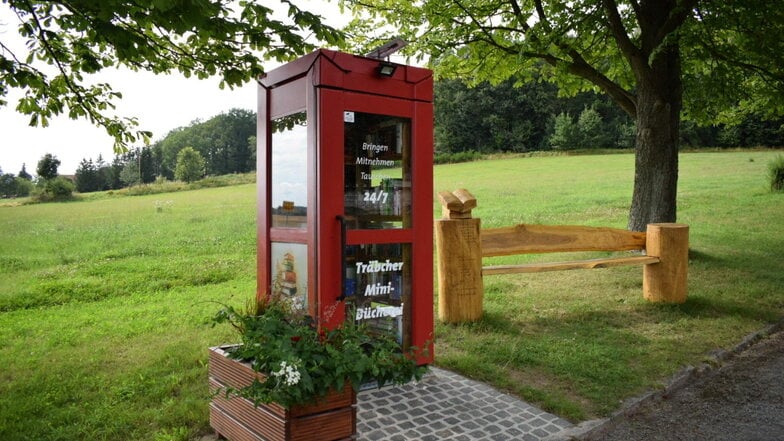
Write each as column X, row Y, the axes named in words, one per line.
column 377, row 196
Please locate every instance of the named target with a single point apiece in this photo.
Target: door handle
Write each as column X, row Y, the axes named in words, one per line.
column 343, row 230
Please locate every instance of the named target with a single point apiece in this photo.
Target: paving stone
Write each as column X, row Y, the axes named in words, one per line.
column 421, row 421
column 410, row 434
column 437, row 424
column 444, row 434
column 451, row 420
column 447, row 406
column 514, row 432
column 552, row 428
column 402, row 406
column 541, row 433
column 525, row 427
column 477, row 434
column 376, row 435
column 491, row 418
column 470, row 424
column 405, row 425
column 492, row 429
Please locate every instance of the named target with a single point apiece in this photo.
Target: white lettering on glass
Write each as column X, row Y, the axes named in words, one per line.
column 375, row 148
column 378, row 162
column 376, row 197
column 378, row 312
column 374, row 266
column 378, row 289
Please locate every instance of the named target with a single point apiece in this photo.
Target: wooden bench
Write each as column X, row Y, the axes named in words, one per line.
column 537, row 239
column 461, row 245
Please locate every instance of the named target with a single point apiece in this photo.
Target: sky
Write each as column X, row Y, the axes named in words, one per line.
column 160, row 103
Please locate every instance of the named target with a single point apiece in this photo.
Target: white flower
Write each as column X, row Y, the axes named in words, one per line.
column 289, row 372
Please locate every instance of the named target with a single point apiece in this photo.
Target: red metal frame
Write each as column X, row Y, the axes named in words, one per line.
column 325, row 83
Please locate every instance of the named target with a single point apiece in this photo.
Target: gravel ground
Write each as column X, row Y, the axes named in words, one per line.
column 743, row 399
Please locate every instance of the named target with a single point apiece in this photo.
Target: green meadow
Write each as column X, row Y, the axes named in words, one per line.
column 105, row 302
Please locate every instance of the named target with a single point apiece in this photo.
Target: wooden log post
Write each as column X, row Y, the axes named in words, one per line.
column 666, row 281
column 460, row 288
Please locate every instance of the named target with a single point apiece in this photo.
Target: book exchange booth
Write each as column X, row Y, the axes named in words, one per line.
column 345, row 192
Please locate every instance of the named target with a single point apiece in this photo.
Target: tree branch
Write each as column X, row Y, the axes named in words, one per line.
column 542, row 16
column 619, row 33
column 676, row 19
column 482, row 28
column 626, row 100
column 66, row 75
column 518, row 12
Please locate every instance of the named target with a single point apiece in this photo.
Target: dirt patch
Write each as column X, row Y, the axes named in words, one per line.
column 540, row 381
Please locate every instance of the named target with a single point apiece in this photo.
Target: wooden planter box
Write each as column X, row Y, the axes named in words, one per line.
column 237, row 419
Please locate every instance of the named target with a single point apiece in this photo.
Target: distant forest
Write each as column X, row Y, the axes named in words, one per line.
column 532, row 117
column 468, row 120
column 226, row 143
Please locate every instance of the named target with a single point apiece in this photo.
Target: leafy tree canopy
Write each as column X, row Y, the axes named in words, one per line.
column 24, row 174
column 732, row 52
column 47, row 167
column 222, row 141
column 67, row 42
column 190, row 165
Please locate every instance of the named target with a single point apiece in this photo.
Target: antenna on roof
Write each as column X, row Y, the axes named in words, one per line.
column 387, row 49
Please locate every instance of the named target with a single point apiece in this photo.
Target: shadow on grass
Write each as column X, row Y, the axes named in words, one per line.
column 583, row 354
column 704, row 307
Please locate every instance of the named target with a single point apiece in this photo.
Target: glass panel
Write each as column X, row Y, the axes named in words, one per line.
column 377, row 170
column 290, row 272
column 289, row 171
column 378, row 284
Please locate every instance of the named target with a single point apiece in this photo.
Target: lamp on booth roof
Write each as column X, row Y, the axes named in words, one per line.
column 386, row 69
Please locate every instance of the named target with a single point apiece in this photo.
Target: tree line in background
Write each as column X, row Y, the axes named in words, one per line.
column 224, row 144
column 16, row 186
column 532, row 117
column 47, row 186
column 469, row 122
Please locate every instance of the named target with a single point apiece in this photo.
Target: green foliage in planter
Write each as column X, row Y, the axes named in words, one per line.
column 302, row 362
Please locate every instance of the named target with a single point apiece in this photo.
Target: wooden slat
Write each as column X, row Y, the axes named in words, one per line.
column 575, row 264
column 228, row 428
column 528, row 239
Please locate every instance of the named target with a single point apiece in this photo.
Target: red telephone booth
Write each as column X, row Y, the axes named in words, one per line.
column 345, row 192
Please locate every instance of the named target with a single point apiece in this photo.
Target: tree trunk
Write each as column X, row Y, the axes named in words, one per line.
column 659, row 99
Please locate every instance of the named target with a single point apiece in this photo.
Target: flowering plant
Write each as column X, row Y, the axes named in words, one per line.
column 302, row 362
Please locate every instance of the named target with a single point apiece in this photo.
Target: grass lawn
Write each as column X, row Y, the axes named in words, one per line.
column 104, row 302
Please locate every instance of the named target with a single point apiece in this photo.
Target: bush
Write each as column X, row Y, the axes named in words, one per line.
column 190, row 165
column 156, row 188
column 58, row 188
column 23, row 187
column 566, row 134
column 776, row 174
